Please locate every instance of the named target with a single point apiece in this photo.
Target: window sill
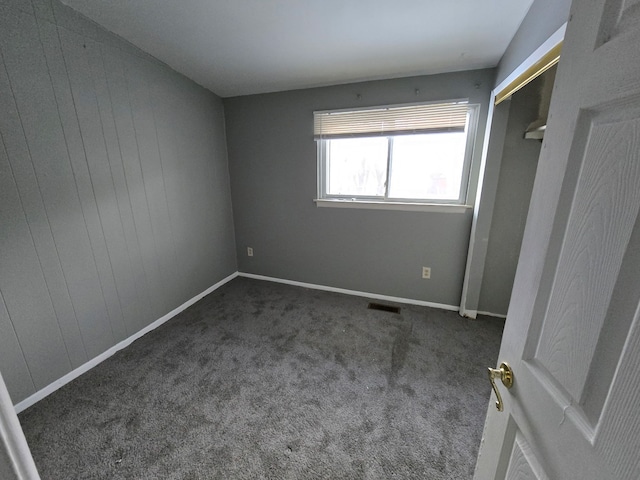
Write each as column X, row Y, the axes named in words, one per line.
column 409, row 207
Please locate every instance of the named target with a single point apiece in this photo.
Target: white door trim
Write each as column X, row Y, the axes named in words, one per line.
column 487, row 187
column 13, row 440
column 532, row 59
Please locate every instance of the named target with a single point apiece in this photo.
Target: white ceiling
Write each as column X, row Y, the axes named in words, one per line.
column 240, row 47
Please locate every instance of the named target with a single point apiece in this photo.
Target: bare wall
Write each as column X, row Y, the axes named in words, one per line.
column 542, row 20
column 272, row 160
column 114, row 192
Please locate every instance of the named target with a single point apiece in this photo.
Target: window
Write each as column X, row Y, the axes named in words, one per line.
column 397, row 154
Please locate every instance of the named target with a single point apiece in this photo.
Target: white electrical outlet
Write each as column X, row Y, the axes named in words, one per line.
column 249, row 252
column 426, row 272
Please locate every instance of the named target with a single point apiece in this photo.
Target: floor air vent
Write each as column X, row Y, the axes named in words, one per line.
column 384, row 308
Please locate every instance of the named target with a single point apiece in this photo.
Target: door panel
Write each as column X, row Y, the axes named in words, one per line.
column 619, row 15
column 617, row 439
column 603, row 214
column 617, row 325
column 523, row 464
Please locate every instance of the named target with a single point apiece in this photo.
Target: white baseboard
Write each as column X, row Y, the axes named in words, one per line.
column 473, row 314
column 52, row 387
column 489, row 314
column 377, row 296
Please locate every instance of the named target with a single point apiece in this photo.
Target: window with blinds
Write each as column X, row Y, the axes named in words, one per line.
column 404, row 153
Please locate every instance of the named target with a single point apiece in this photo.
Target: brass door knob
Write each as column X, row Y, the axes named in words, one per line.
column 505, row 374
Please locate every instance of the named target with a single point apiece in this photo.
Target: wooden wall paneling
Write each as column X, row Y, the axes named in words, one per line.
column 22, row 5
column 77, row 154
column 43, row 9
column 129, row 148
column 18, row 377
column 106, row 103
column 138, row 82
column 24, row 290
column 178, row 191
column 93, row 177
column 33, row 205
column 129, row 287
column 40, row 117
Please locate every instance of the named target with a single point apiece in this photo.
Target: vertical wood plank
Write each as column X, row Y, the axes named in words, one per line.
column 142, row 310
column 24, row 174
column 29, row 76
column 93, row 177
column 24, row 289
column 17, row 376
column 182, row 194
column 43, row 9
column 132, row 291
column 123, row 117
column 138, row 81
column 177, row 191
column 22, row 5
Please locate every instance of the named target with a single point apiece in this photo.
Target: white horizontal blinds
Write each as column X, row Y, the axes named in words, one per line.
column 412, row 119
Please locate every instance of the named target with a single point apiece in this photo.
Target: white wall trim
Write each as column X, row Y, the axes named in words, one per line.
column 408, row 207
column 52, row 387
column 489, row 314
column 356, row 293
column 471, row 281
column 490, row 165
column 472, row 314
column 13, row 440
column 538, row 53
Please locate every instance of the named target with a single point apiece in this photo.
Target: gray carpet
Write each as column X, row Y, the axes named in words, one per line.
column 267, row 381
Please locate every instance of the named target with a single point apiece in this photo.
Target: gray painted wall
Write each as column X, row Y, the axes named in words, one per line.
column 515, row 183
column 272, row 160
column 542, row 20
column 114, row 192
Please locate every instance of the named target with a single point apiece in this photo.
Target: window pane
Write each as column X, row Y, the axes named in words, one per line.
column 427, row 166
column 357, row 166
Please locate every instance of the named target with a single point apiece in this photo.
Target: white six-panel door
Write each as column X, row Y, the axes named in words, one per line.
column 572, row 334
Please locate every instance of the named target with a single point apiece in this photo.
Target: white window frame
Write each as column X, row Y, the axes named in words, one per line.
column 326, row 200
